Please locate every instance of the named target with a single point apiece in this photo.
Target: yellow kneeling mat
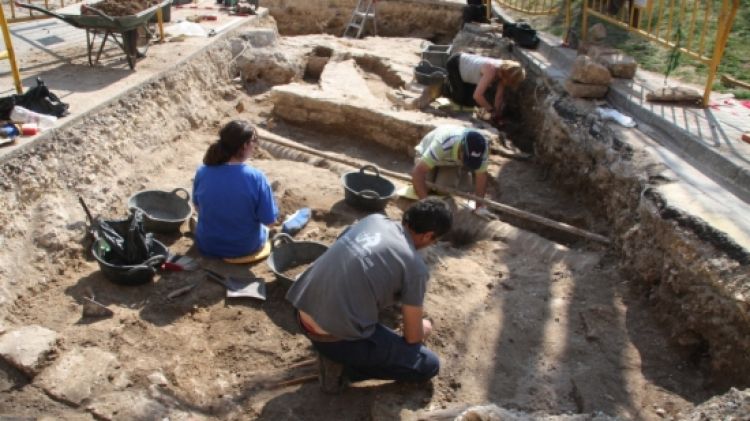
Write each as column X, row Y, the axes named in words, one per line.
column 261, row 254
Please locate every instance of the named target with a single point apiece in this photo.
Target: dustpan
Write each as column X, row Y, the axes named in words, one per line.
column 242, row 287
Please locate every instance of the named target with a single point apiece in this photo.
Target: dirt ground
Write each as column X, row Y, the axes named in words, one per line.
column 520, row 320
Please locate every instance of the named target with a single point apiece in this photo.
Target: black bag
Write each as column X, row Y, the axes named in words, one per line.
column 38, row 99
column 128, row 245
column 522, row 33
column 475, row 13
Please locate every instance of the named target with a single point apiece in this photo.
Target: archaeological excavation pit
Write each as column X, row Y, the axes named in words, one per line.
column 585, row 299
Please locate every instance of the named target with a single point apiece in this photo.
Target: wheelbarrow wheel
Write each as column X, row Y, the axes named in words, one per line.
column 137, row 41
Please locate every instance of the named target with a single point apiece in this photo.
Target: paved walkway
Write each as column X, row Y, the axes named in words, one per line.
column 709, row 138
column 702, row 147
column 56, row 52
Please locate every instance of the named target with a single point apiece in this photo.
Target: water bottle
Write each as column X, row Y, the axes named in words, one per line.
column 9, row 131
column 296, row 221
column 22, row 115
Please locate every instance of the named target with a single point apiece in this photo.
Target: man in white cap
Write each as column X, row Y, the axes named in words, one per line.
column 447, row 156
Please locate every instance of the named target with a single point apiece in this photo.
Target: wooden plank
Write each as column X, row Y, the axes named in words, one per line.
column 500, row 207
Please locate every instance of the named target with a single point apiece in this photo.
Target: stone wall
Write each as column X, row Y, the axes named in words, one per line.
column 435, row 20
column 305, row 106
column 696, row 279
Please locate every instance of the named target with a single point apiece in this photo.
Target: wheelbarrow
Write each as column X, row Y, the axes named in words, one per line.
column 132, row 33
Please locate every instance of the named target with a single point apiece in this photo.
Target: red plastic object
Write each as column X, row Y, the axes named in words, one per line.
column 29, row 129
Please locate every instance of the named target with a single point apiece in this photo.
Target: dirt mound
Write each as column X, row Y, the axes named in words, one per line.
column 120, row 8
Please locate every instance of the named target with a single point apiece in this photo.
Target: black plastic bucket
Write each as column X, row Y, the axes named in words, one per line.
column 163, row 211
column 286, row 253
column 130, row 274
column 429, row 75
column 369, row 192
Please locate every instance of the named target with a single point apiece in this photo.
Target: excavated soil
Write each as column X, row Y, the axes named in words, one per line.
column 520, row 320
column 121, row 8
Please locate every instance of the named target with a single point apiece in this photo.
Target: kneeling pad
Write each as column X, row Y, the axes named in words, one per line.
column 261, row 254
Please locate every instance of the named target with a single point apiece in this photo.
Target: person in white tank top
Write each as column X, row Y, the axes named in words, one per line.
column 471, row 76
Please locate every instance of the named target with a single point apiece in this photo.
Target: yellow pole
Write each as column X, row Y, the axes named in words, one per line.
column 160, row 21
column 584, row 22
column 11, row 53
column 726, row 21
column 567, row 19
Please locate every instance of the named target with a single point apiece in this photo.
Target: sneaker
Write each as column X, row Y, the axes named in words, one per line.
column 331, row 376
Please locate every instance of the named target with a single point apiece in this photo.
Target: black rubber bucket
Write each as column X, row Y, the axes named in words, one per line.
column 369, row 192
column 129, row 274
column 162, row 211
column 286, row 253
column 427, row 74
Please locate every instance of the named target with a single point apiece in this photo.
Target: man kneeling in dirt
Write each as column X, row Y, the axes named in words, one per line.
column 447, row 156
column 373, row 265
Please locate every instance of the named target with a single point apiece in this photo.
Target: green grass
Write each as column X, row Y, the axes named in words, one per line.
column 654, row 57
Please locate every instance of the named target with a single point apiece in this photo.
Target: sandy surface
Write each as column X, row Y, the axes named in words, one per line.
column 520, row 320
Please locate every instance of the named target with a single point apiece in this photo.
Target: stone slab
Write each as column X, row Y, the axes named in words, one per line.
column 127, row 405
column 585, row 90
column 344, row 80
column 25, row 347
column 79, row 375
column 585, row 70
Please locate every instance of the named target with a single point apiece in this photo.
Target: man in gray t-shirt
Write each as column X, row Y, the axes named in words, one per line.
column 372, row 266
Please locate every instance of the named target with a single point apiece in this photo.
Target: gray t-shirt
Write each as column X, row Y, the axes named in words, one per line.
column 370, row 267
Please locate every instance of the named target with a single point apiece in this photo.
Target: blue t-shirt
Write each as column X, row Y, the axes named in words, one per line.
column 233, row 201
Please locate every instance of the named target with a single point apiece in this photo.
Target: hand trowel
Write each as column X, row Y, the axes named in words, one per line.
column 240, row 287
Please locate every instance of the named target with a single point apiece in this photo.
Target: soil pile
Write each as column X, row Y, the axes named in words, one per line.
column 120, row 8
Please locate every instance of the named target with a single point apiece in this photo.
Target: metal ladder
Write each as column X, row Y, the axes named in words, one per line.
column 362, row 12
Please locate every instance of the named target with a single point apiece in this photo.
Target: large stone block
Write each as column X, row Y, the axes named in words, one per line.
column 25, row 348
column 127, row 405
column 585, row 90
column 586, row 70
column 80, row 374
column 619, row 65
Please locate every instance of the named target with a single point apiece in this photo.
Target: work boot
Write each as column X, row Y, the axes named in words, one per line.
column 192, row 223
column 331, row 376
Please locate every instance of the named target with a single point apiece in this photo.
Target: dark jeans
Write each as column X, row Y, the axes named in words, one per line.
column 461, row 92
column 384, row 355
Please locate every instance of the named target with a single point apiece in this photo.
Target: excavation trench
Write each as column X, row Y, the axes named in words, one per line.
column 526, row 317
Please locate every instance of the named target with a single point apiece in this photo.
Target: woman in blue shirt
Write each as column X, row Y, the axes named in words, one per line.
column 233, row 199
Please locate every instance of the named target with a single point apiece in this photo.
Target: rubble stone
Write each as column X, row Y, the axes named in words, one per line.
column 127, row 405
column 585, row 90
column 79, row 375
column 597, row 32
column 619, row 65
column 586, row 70
column 24, row 348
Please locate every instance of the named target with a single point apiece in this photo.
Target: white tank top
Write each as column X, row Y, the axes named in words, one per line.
column 470, row 66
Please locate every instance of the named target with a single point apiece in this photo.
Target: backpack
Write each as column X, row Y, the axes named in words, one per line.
column 522, row 33
column 475, row 13
column 38, row 99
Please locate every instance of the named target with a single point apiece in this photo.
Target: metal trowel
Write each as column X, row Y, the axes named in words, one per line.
column 240, row 287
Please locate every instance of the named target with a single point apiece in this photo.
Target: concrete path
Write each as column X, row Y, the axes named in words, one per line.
column 56, row 52
column 701, row 147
